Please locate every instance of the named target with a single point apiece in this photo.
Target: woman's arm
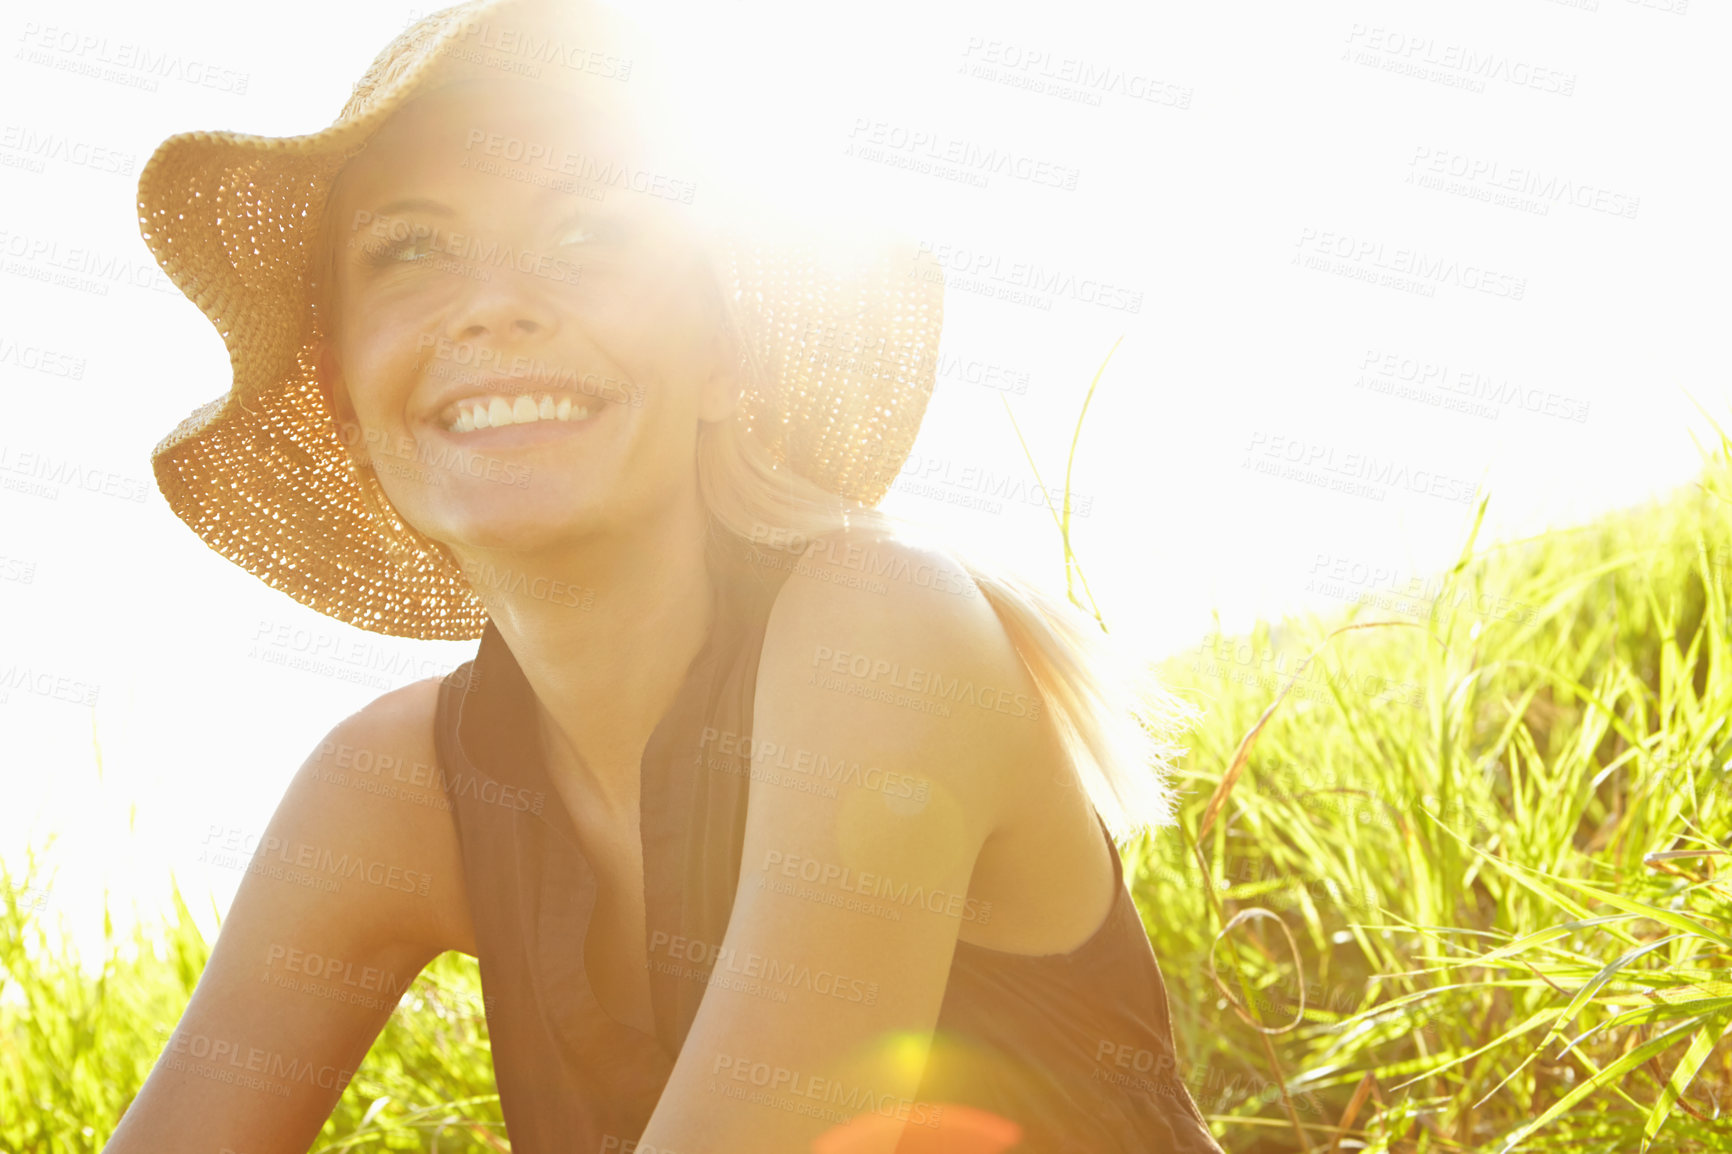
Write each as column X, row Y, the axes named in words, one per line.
column 863, row 891
column 262, row 1053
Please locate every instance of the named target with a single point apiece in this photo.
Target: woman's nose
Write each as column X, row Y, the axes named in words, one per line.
column 509, row 305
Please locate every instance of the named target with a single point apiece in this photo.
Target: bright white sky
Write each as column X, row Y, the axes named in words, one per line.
column 1268, row 140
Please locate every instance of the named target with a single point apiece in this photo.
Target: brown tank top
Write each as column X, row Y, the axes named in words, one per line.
column 1075, row 1049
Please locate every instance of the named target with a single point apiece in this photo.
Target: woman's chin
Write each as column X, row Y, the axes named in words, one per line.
column 515, row 521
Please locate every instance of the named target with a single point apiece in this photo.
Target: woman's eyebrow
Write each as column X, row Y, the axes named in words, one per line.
column 439, row 208
column 413, row 204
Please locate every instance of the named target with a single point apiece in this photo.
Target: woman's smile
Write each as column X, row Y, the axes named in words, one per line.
column 506, row 421
column 496, row 412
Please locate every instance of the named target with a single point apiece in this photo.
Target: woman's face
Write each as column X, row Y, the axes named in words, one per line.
column 480, row 297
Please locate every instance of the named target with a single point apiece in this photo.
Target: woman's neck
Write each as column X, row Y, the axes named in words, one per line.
column 605, row 634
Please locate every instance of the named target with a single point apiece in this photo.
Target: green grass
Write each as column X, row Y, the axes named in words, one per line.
column 1483, row 838
column 1486, row 827
column 76, row 1050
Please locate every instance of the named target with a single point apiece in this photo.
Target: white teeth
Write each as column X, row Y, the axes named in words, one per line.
column 495, row 412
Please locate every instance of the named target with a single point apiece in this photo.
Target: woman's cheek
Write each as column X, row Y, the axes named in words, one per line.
column 398, row 327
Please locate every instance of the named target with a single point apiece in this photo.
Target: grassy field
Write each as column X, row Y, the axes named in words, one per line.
column 1445, row 879
column 1451, row 883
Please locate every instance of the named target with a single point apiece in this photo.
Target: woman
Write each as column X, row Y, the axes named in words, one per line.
column 771, row 829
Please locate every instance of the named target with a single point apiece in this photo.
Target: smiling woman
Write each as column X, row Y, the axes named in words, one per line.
column 809, row 846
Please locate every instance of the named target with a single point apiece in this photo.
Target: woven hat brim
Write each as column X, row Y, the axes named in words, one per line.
column 258, row 472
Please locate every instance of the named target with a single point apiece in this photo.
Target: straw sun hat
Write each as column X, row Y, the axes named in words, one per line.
column 840, row 339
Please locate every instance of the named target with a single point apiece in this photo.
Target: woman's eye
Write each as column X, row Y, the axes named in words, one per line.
column 403, row 252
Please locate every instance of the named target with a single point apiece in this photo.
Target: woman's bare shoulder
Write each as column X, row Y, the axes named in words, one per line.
column 379, row 767
column 889, row 620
